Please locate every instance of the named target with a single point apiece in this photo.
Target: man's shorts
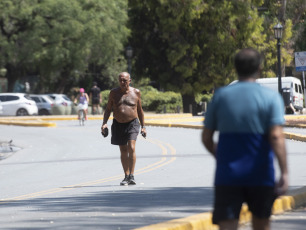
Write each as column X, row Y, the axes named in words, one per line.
column 95, row 101
column 123, row 132
column 229, row 200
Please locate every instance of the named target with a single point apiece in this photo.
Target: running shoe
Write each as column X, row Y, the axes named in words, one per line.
column 125, row 180
column 132, row 180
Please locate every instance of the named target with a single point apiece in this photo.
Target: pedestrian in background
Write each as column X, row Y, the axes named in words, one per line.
column 249, row 119
column 95, row 98
column 125, row 103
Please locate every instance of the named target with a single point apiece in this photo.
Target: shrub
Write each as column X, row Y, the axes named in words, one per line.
column 104, row 96
column 153, row 100
column 203, row 98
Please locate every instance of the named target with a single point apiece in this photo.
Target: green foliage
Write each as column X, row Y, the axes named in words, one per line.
column 61, row 40
column 153, row 100
column 188, row 46
column 203, row 97
column 191, row 43
column 104, row 96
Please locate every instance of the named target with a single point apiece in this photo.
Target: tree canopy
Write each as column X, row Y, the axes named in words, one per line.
column 185, row 46
column 188, row 46
column 62, row 41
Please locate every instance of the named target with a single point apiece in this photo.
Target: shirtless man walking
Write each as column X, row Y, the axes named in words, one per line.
column 125, row 102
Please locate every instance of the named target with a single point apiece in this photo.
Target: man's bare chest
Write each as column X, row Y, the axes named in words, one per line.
column 125, row 100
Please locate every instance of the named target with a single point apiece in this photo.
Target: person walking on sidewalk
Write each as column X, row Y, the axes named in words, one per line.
column 125, row 103
column 249, row 119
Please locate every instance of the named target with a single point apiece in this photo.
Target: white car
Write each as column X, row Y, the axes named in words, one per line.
column 43, row 102
column 62, row 104
column 17, row 104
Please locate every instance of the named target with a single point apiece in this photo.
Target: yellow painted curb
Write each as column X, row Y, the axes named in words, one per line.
column 27, row 123
column 203, row 221
column 148, row 123
column 199, row 221
column 293, row 136
column 295, row 117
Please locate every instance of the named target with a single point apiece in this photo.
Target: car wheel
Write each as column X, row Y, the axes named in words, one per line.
column 22, row 112
column 43, row 112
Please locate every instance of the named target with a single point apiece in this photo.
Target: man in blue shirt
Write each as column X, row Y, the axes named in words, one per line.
column 249, row 119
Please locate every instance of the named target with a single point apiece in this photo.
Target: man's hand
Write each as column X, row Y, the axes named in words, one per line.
column 143, row 132
column 277, row 141
column 282, row 186
column 103, row 128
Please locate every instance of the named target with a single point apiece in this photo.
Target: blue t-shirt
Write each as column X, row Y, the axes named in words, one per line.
column 243, row 113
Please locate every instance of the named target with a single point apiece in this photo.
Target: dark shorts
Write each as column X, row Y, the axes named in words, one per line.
column 95, row 101
column 229, row 200
column 123, row 132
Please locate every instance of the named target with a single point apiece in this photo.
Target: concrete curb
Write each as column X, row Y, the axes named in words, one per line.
column 27, row 123
column 40, row 121
column 203, row 221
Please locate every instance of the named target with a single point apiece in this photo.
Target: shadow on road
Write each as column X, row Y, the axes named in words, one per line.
column 125, row 208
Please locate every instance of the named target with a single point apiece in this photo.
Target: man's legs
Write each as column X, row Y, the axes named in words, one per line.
column 228, row 225
column 93, row 109
column 260, row 224
column 128, row 157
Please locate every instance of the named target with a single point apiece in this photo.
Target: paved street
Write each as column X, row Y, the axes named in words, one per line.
column 68, row 178
column 295, row 220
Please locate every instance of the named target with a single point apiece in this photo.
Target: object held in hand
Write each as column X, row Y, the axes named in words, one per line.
column 105, row 133
column 143, row 134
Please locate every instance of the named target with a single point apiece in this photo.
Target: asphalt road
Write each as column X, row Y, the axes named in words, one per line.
column 68, row 178
column 294, row 220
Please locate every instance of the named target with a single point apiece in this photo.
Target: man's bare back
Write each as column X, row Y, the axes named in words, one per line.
column 125, row 104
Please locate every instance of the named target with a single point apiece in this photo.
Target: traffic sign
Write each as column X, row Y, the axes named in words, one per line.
column 300, row 61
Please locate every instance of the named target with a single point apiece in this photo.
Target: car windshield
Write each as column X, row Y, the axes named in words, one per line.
column 66, row 98
column 28, row 97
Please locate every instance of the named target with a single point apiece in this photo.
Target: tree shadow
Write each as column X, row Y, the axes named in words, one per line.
column 120, row 209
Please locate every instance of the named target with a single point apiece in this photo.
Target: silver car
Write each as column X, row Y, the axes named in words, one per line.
column 44, row 103
column 62, row 104
column 17, row 104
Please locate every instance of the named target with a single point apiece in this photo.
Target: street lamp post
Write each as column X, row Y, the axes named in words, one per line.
column 129, row 54
column 278, row 32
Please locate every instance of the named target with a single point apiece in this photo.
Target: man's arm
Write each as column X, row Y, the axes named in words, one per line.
column 277, row 141
column 207, row 139
column 141, row 114
column 107, row 111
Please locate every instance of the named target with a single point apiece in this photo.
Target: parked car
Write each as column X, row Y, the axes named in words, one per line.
column 44, row 103
column 62, row 104
column 17, row 104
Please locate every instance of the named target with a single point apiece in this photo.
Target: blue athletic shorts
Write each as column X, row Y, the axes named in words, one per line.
column 229, row 199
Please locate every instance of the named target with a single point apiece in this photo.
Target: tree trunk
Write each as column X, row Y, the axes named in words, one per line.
column 282, row 12
column 12, row 76
column 189, row 104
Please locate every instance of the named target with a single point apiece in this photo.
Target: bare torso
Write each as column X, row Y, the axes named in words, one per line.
column 125, row 104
